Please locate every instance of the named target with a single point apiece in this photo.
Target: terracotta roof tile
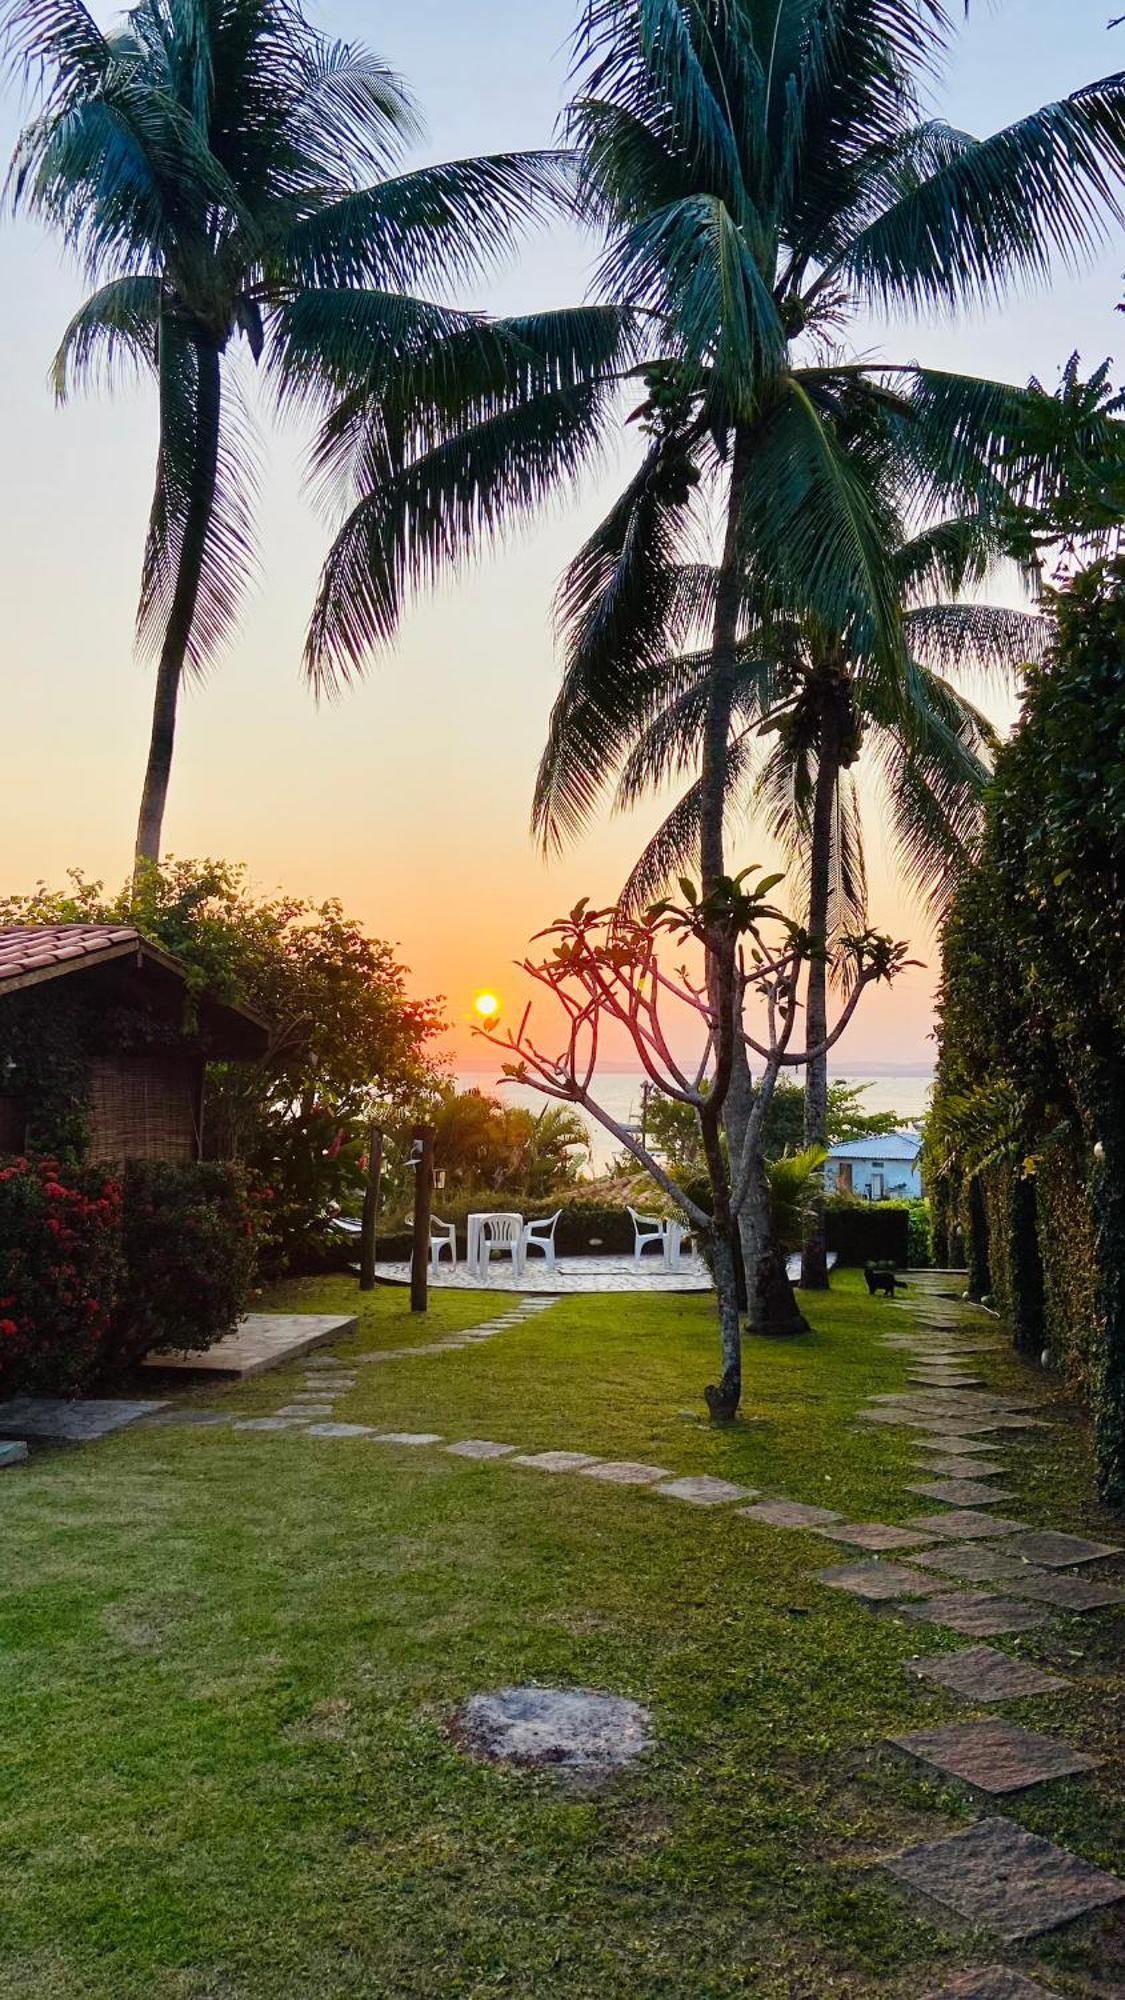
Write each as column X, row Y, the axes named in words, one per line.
column 31, row 947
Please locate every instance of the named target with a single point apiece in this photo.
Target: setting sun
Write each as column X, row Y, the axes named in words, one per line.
column 487, row 1005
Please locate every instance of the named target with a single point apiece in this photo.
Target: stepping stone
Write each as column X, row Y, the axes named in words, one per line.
column 13, row 1453
column 875, row 1535
column 192, row 1419
column 557, row 1461
column 323, row 1360
column 306, row 1410
column 991, row 1982
column 75, row 1422
column 703, row 1491
column 1057, row 1551
column 976, row 1614
column 268, row 1424
column 479, row 1448
column 976, row 1564
column 339, row 1430
column 959, row 1467
column 984, row 1673
column 966, row 1448
column 964, row 1524
column 790, row 1514
column 1066, row 1593
column 626, row 1472
column 382, row 1437
column 1010, row 1882
column 961, row 1492
column 876, row 1582
column 995, row 1756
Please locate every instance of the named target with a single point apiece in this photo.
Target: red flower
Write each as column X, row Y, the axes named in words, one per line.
column 8, row 1327
column 54, row 1191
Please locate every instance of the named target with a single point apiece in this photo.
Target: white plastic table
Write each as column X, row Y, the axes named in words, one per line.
column 474, row 1232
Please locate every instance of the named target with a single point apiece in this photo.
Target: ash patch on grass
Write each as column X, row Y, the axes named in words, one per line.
column 576, row 1731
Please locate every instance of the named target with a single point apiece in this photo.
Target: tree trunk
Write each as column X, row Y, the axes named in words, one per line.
column 423, row 1209
column 723, row 1401
column 369, row 1221
column 771, row 1304
column 173, row 652
column 814, row 1251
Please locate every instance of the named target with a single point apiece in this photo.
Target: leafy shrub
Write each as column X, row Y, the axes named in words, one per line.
column 862, row 1232
column 60, row 1268
column 920, row 1243
column 190, row 1238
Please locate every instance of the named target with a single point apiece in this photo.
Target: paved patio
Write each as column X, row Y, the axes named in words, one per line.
column 572, row 1274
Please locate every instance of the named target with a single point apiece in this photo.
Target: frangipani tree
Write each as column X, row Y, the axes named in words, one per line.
column 602, row 968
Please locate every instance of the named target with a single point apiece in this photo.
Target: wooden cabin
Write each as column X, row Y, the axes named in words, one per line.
column 118, row 1012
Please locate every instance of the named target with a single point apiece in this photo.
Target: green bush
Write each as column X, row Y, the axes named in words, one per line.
column 60, row 1256
column 862, row 1232
column 189, row 1240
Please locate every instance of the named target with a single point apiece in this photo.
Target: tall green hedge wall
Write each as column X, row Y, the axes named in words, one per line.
column 1025, row 1154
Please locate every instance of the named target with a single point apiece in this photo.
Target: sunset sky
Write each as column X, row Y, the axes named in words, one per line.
column 409, row 797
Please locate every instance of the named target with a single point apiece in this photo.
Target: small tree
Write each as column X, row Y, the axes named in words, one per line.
column 601, row 967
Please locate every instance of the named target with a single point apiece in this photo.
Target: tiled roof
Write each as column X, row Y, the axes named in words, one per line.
column 42, row 949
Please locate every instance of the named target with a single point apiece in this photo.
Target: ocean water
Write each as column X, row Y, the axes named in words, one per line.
column 903, row 1091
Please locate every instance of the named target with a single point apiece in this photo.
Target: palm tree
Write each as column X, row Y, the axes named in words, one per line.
column 806, row 705
column 226, row 175
column 764, row 173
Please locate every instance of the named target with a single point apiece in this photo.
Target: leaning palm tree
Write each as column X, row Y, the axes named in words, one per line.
column 218, row 166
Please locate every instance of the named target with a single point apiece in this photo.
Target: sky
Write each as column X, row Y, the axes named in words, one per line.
column 408, row 798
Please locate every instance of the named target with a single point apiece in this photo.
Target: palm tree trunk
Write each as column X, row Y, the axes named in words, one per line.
column 173, row 652
column 814, row 1250
column 724, row 1399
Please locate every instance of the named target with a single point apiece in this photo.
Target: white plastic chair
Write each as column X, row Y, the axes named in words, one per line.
column 648, row 1229
column 443, row 1236
column 541, row 1236
column 503, row 1233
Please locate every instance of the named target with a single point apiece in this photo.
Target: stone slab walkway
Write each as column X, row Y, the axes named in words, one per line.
column 260, row 1341
column 52, row 1417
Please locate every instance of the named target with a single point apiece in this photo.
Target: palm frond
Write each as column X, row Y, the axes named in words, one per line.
column 431, row 513
column 618, row 611
column 117, row 324
column 436, row 225
column 1041, row 190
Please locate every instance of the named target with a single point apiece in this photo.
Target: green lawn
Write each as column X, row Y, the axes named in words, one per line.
column 226, row 1662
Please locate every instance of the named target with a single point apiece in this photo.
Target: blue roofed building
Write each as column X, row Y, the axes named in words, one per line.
column 888, row 1169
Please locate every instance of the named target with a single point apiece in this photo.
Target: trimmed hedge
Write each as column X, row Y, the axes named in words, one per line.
column 869, row 1232
column 189, row 1243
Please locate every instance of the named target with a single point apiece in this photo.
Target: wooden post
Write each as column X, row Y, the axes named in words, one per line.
column 423, row 1207
column 370, row 1210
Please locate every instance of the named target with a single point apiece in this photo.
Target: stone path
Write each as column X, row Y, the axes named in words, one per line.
column 992, row 1873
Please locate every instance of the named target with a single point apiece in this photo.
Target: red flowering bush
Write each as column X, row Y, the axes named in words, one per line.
column 60, row 1271
column 190, row 1241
